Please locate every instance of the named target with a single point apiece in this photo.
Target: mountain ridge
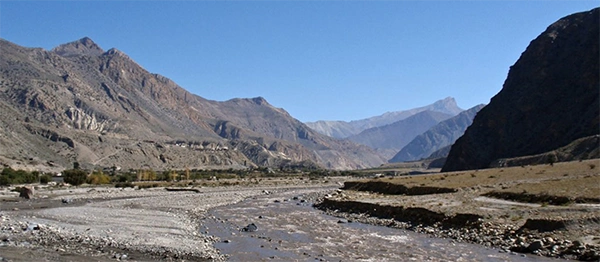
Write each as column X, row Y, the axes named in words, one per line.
column 439, row 136
column 396, row 135
column 549, row 99
column 112, row 111
column 344, row 129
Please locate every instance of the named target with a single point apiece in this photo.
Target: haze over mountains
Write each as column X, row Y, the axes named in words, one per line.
column 343, row 129
column 438, row 137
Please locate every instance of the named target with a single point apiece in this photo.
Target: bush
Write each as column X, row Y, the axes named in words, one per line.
column 11, row 176
column 74, row 177
column 98, row 178
column 44, row 179
column 4, row 180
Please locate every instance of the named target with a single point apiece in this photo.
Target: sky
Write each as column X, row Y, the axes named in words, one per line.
column 318, row 60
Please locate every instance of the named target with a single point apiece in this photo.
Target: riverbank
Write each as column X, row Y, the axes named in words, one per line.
column 517, row 209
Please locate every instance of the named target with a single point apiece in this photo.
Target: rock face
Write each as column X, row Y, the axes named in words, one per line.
column 79, row 103
column 583, row 148
column 396, row 135
column 441, row 135
column 343, row 129
column 549, row 99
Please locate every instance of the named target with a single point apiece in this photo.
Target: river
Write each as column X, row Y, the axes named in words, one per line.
column 290, row 229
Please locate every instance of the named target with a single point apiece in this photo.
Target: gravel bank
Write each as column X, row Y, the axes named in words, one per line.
column 103, row 224
column 504, row 228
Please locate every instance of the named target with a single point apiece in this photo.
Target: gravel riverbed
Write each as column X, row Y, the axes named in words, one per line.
column 104, row 224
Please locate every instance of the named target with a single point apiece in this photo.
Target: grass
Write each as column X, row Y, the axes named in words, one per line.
column 573, row 179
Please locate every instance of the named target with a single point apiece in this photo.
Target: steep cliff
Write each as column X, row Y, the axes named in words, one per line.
column 549, row 99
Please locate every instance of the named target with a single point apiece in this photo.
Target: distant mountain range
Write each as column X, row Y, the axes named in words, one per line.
column 79, row 103
column 343, row 129
column 440, row 136
column 389, row 139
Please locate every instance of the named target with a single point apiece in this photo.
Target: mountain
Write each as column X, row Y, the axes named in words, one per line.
column 549, row 99
column 396, row 135
column 343, row 129
column 582, row 148
column 79, row 103
column 441, row 135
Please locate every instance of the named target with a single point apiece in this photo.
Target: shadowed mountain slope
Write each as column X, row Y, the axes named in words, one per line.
column 549, row 99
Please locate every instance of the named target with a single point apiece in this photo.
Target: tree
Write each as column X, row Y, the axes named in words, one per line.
column 98, row 178
column 74, row 176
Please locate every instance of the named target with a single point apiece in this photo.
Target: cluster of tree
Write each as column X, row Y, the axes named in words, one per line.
column 77, row 176
column 10, row 176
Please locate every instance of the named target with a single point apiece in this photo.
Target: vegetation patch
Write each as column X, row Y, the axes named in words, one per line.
column 395, row 189
column 541, row 198
column 530, row 198
column 412, row 215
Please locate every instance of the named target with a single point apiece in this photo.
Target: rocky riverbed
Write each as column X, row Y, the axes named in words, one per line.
column 103, row 224
column 547, row 210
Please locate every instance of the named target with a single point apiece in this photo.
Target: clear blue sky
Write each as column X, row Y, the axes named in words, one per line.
column 319, row 60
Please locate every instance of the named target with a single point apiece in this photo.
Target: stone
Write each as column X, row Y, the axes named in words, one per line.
column 535, row 246
column 250, row 228
column 26, row 192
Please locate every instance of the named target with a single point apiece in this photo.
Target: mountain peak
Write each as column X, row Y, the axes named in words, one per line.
column 447, row 105
column 259, row 100
column 83, row 46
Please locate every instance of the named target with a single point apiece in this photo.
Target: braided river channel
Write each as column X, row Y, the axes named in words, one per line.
column 288, row 228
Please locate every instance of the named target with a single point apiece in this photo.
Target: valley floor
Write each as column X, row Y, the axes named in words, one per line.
column 519, row 210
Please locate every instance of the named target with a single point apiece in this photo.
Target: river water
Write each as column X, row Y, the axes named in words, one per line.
column 289, row 229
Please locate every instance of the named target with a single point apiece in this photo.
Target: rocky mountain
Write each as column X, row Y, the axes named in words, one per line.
column 582, row 148
column 79, row 103
column 549, row 99
column 441, row 135
column 343, row 129
column 395, row 136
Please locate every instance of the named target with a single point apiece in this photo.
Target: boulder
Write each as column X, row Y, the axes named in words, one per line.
column 535, row 245
column 26, row 192
column 250, row 228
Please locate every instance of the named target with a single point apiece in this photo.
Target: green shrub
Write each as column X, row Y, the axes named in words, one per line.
column 4, row 180
column 44, row 179
column 11, row 176
column 74, row 176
